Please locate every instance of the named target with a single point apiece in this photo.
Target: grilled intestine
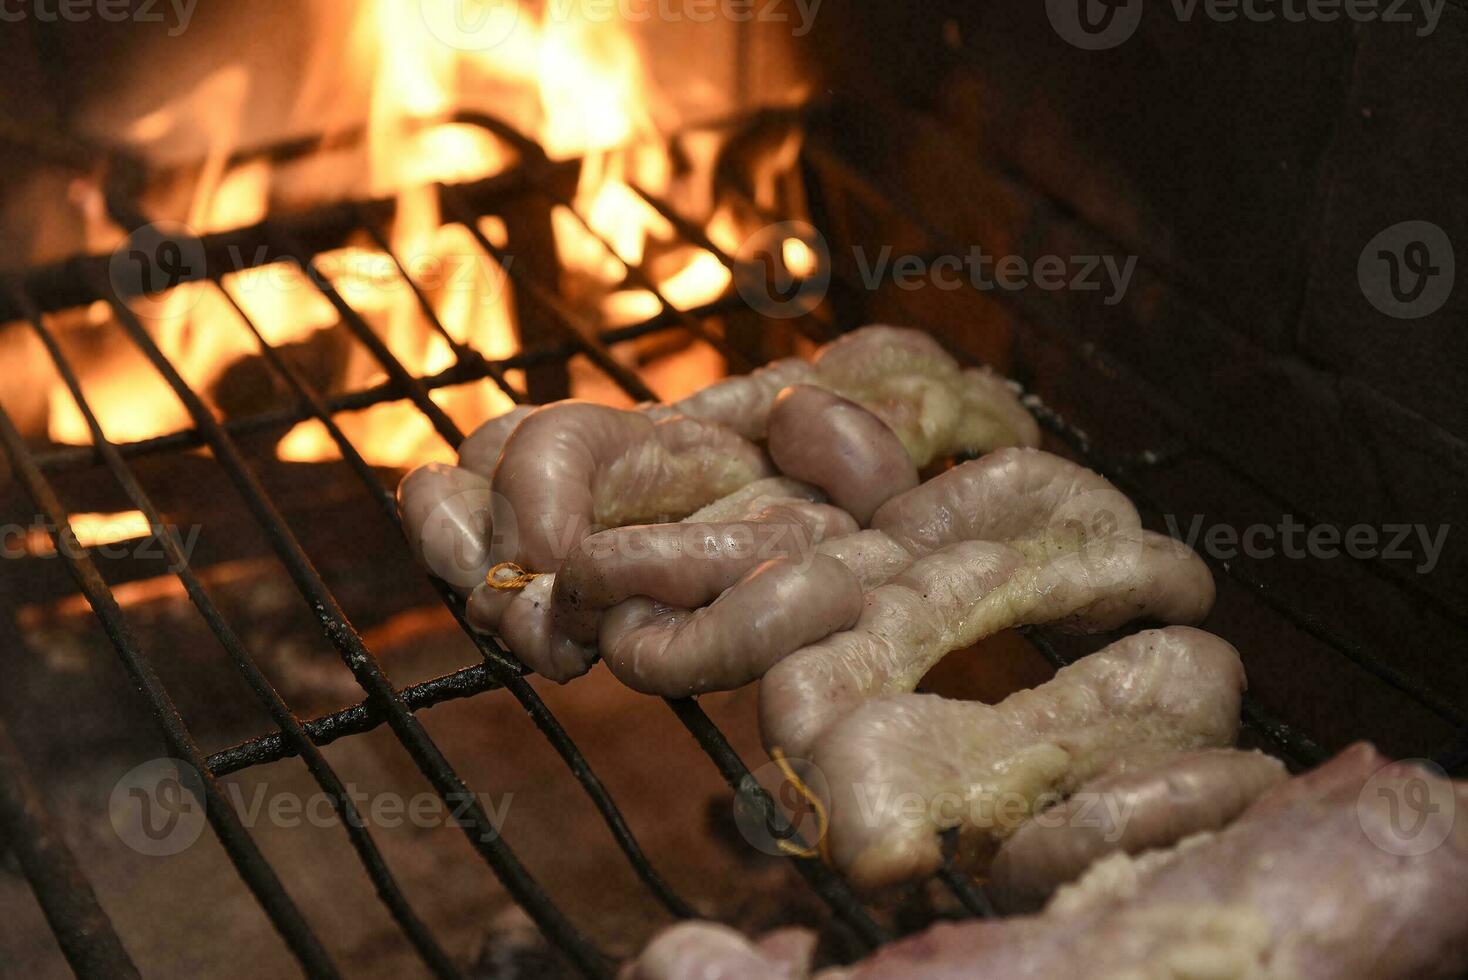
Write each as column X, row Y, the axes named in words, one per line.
column 905, row 378
column 446, row 516
column 911, row 383
column 743, row 403
column 556, row 631
column 480, row 452
column 982, row 768
column 840, row 447
column 1128, row 810
column 680, row 609
column 561, row 471
column 1018, row 537
column 572, row 467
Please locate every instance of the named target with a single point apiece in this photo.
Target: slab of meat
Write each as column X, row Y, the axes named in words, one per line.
column 905, row 768
column 1127, row 811
column 840, row 447
column 570, row 468
column 1355, row 871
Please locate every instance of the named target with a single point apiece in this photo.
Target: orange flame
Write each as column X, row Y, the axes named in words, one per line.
column 572, row 81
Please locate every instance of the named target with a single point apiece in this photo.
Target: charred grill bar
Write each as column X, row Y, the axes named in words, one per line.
column 552, row 333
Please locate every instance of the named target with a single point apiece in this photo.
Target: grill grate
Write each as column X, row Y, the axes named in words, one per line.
column 566, row 334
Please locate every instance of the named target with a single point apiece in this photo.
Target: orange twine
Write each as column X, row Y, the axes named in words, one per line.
column 822, row 820
column 518, row 580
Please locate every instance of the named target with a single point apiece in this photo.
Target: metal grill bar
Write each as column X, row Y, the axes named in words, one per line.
column 80, row 457
column 736, row 359
column 498, row 661
column 305, row 238
column 972, row 896
column 821, row 878
column 565, row 320
column 401, row 376
column 463, row 353
column 357, row 719
column 364, row 667
column 85, row 279
column 386, row 885
column 246, row 857
column 818, row 326
column 82, row 928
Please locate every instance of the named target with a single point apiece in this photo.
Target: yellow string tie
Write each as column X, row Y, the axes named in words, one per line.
column 823, row 821
column 518, row 580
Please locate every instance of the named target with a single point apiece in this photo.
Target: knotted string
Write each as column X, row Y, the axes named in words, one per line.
column 518, row 579
column 822, row 820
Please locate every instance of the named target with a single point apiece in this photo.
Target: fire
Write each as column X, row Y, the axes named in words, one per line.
column 573, row 82
column 92, row 530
